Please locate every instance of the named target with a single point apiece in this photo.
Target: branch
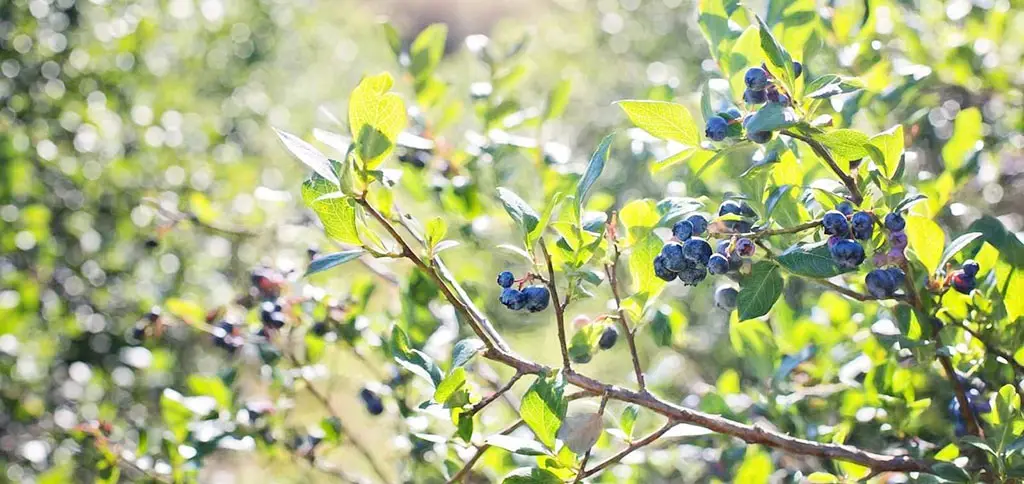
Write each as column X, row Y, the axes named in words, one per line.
column 851, row 293
column 613, row 282
column 494, row 396
column 760, row 234
column 462, row 474
column 559, row 307
column 822, row 151
column 630, row 449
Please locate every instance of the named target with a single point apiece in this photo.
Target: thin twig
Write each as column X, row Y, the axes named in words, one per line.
column 822, row 151
column 992, row 348
column 630, row 449
column 613, row 282
column 559, row 307
column 494, row 396
column 760, row 234
column 853, row 294
column 462, row 474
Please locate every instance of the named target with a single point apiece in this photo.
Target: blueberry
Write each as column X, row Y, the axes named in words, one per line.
column 723, row 247
column 154, row 314
column 682, row 230
column 745, row 247
column 774, row 96
column 731, row 114
column 505, row 279
column 608, row 338
column 513, row 299
column 537, row 298
column 898, row 240
column 978, row 402
column 320, row 328
column 139, row 332
column 736, row 262
column 760, row 137
column 276, row 320
column 697, row 250
column 663, row 272
column 846, row 208
column 692, row 275
column 372, row 401
column 895, row 222
column 970, row 267
column 798, row 69
column 898, row 277
column 960, row 427
column 725, row 297
column 717, row 128
column 718, row 264
column 880, row 283
column 756, row 79
column 755, row 97
column 699, row 223
column 737, row 226
column 834, row 223
column 729, row 207
column 862, row 225
column 673, row 254
column 962, row 282
column 847, row 253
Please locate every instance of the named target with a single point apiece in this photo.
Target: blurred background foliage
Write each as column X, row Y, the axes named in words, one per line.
column 139, row 170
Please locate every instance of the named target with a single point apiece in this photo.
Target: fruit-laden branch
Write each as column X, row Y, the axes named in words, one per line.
column 822, row 151
column 675, row 413
column 760, row 234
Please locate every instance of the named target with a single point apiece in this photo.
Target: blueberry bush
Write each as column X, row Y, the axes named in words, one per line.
column 800, row 257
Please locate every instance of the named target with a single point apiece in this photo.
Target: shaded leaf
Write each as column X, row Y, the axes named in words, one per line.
column 759, row 290
column 324, row 262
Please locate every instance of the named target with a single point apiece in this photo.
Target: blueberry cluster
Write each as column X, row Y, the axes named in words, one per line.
column 845, row 228
column 894, row 223
column 372, row 401
column 227, row 336
column 533, row 298
column 761, row 89
column 731, row 255
column 733, row 209
column 687, row 257
column 964, row 279
column 271, row 315
column 978, row 404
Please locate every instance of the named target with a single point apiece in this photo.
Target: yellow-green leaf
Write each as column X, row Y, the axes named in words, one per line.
column 375, row 115
column 927, row 240
column 664, row 120
column 966, row 134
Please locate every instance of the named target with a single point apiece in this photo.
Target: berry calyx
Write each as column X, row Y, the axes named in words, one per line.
column 745, row 247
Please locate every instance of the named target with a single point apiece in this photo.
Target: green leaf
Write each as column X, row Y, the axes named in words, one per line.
column 639, row 217
column 426, row 51
column 810, row 260
column 558, row 99
column 771, row 117
column 594, row 169
column 414, row 360
column 336, row 211
column 822, row 478
column 958, row 245
column 890, row 145
column 517, row 445
column 188, row 311
column 580, row 432
column 465, row 350
column 543, row 408
column 393, row 38
column 927, row 239
column 664, row 120
column 211, row 386
column 830, row 85
column 375, row 115
column 1011, row 249
column 309, row 155
column 519, row 210
column 324, row 262
column 550, row 211
column 628, row 419
column 641, row 266
column 526, row 475
column 315, row 348
column 759, row 291
column 450, row 384
column 779, row 61
column 176, row 416
column 435, row 231
column 845, row 144
column 967, row 130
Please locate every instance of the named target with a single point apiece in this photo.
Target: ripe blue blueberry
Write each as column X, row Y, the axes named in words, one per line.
column 718, row 264
column 962, row 282
column 879, row 283
column 898, row 276
column 745, row 247
column 505, row 279
column 673, row 254
column 537, row 298
column 895, row 222
column 755, row 97
column 760, row 137
column 846, row 208
column 798, row 69
column 372, row 401
column 717, row 128
column 862, row 226
column 725, row 297
column 662, row 271
column 756, row 79
column 731, row 113
column 834, row 223
column 978, row 402
column 847, row 253
column 692, row 275
column 699, row 223
column 608, row 338
column 723, row 247
column 513, row 299
column 730, row 207
column 970, row 267
column 697, row 250
column 682, row 230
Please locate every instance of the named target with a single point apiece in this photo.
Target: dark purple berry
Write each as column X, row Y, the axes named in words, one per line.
column 798, row 69
column 673, row 254
column 898, row 240
column 962, row 282
column 834, row 223
column 895, row 222
column 745, row 247
column 756, row 79
column 879, row 283
column 372, row 401
column 697, row 250
column 845, row 208
column 725, row 297
column 608, row 338
column 723, row 247
column 513, row 299
column 682, row 230
column 760, row 137
column 862, row 226
column 699, row 224
column 717, row 128
column 731, row 114
column 970, row 267
column 755, row 97
column 847, row 253
column 692, row 275
column 730, row 207
column 505, row 279
column 663, row 272
column 537, row 298
column 718, row 264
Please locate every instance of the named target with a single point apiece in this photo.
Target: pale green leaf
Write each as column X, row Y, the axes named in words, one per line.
column 664, row 120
